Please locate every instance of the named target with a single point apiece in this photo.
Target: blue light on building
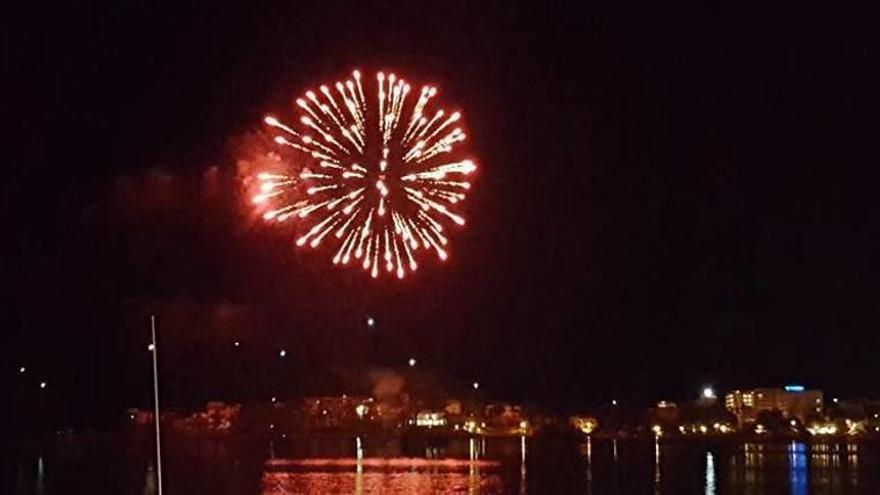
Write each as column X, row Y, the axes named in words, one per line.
column 794, row 388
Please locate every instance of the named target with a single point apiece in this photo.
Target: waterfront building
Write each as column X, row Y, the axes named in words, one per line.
column 793, row 401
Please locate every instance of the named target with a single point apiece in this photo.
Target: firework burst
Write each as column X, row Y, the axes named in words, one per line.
column 377, row 180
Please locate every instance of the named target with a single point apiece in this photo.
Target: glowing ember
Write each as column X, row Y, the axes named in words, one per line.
column 378, row 181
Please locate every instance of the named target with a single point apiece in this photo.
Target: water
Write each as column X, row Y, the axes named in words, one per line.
column 388, row 465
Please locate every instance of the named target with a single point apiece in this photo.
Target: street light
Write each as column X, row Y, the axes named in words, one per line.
column 476, row 385
column 236, row 343
column 22, row 369
column 371, row 322
column 412, row 362
column 282, row 353
column 709, row 393
column 43, row 384
column 151, row 347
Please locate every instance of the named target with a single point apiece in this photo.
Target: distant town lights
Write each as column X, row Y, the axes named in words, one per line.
column 822, row 429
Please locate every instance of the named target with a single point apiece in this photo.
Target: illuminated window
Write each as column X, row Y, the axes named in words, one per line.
column 430, row 419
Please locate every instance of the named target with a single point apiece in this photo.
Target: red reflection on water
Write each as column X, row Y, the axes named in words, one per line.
column 379, row 462
column 377, row 475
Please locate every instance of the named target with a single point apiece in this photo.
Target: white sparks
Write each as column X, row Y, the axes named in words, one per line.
column 372, row 176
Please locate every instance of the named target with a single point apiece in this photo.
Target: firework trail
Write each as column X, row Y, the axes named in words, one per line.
column 377, row 180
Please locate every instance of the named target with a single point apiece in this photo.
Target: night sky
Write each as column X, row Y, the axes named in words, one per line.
column 667, row 198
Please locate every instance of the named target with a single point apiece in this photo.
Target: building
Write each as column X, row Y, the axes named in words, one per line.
column 337, row 411
column 430, row 419
column 505, row 420
column 793, row 401
column 666, row 411
column 740, row 403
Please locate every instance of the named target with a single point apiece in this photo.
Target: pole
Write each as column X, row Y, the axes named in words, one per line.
column 156, row 403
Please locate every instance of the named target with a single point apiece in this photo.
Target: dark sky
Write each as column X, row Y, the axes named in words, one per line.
column 667, row 198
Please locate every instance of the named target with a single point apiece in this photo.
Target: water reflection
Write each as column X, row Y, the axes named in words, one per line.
column 376, row 464
column 522, row 468
column 657, row 464
column 359, row 472
column 373, row 475
column 710, row 474
column 588, row 450
column 753, row 460
column 41, row 476
column 798, row 468
column 852, row 460
column 827, row 465
column 150, row 486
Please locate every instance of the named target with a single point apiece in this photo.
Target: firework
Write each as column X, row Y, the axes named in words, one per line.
column 378, row 176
